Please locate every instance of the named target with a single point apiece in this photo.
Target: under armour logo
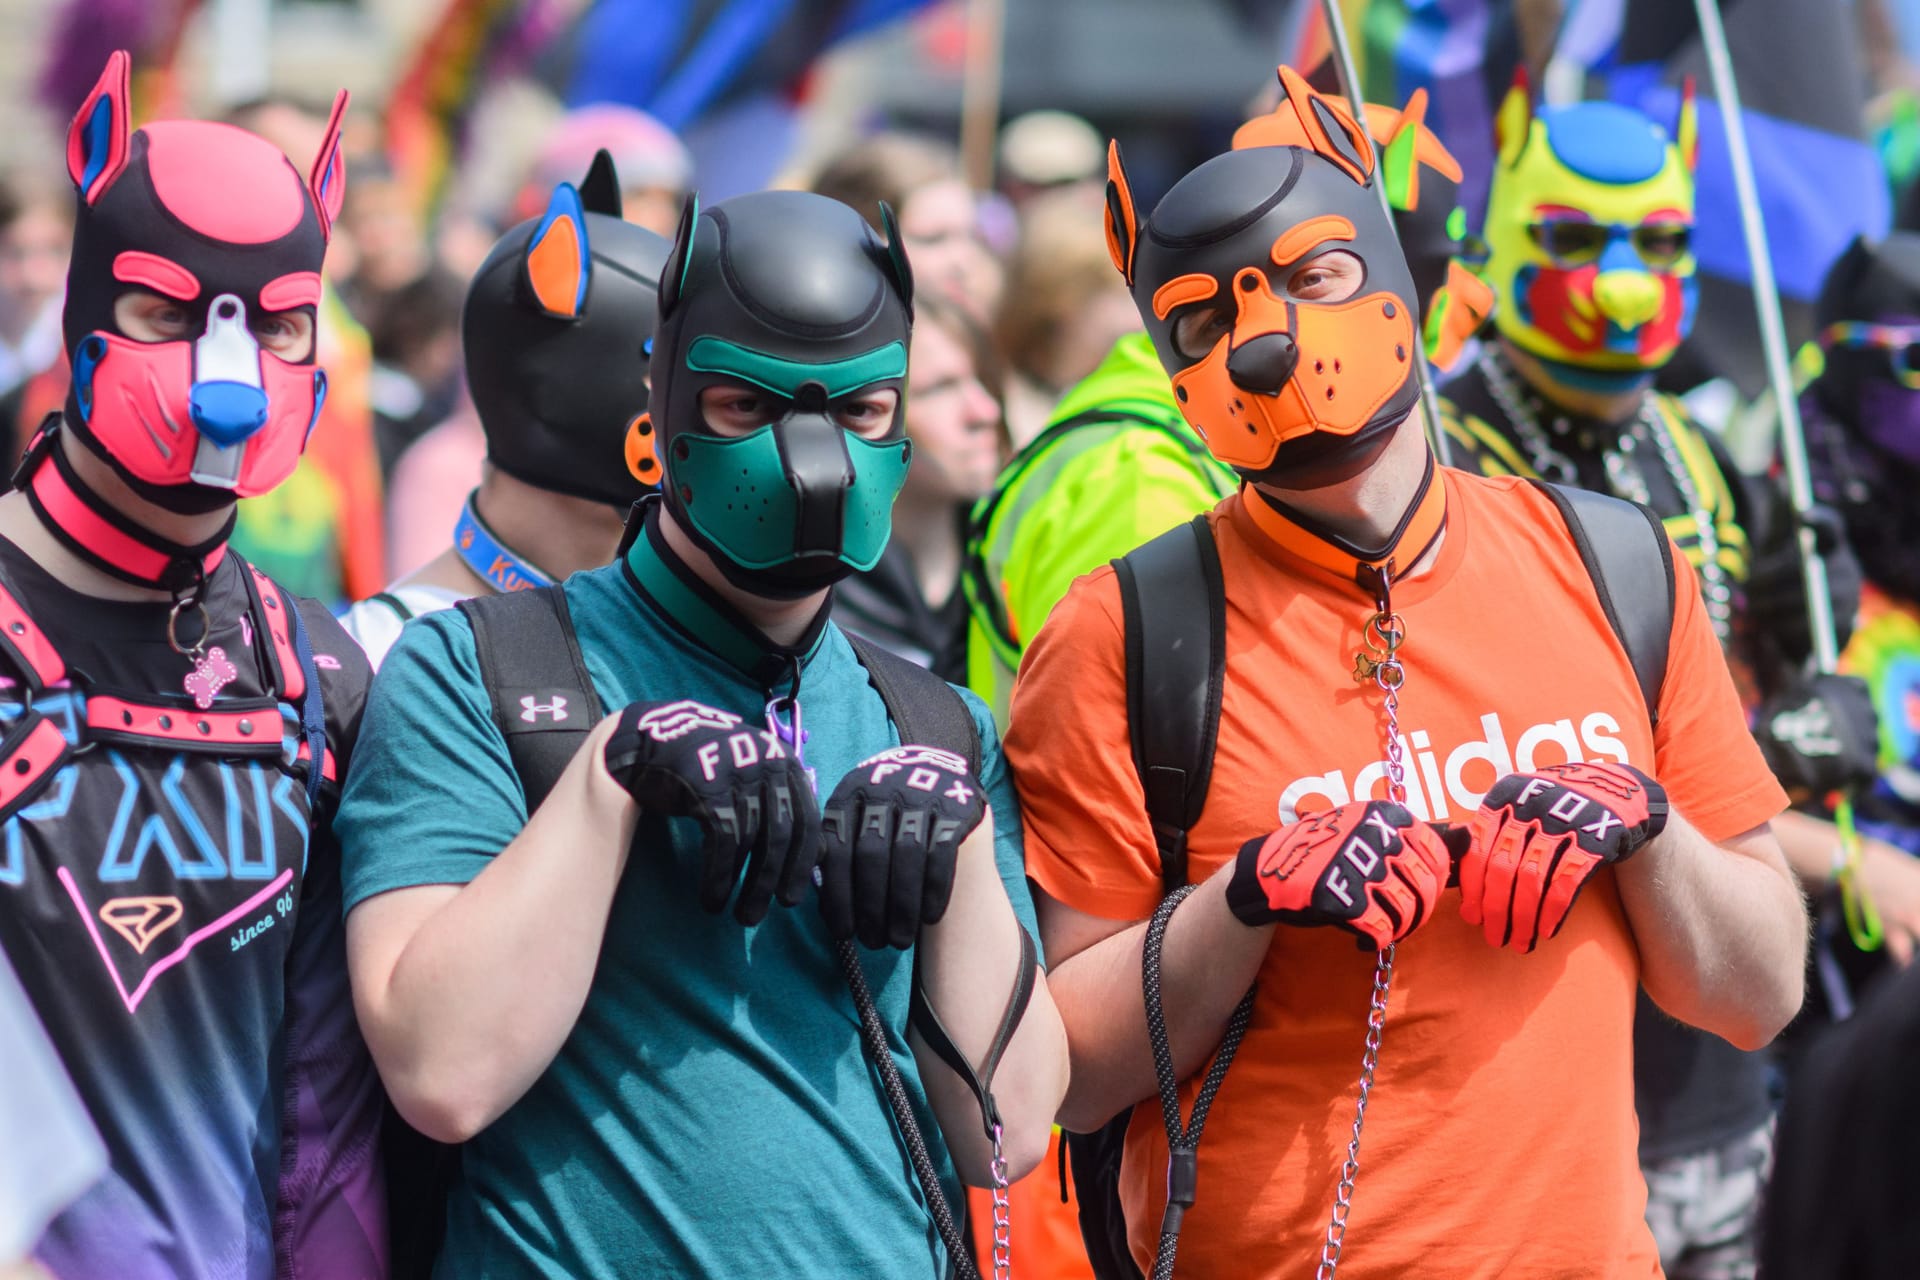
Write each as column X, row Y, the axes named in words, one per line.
column 531, row 708
column 678, row 719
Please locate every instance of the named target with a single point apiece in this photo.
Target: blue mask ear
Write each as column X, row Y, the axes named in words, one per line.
column 558, row 263
column 97, row 141
column 673, row 276
column 897, row 257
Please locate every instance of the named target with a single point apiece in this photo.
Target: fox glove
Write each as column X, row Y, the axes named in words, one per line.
column 1370, row 868
column 1539, row 836
column 739, row 782
column 890, row 838
column 1821, row 735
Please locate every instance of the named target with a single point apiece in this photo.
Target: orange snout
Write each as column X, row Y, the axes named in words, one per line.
column 1290, row 369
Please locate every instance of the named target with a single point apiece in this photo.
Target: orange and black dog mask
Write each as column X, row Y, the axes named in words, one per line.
column 1289, row 380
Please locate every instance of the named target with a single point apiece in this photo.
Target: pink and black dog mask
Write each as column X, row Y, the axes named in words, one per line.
column 219, row 222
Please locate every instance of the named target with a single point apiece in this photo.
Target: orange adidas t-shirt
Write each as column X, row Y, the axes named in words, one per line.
column 1500, row 1138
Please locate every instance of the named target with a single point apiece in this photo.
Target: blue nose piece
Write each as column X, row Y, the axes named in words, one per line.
column 227, row 412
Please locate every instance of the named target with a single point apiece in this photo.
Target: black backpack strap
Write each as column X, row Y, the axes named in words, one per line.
column 543, row 699
column 1174, row 606
column 394, row 603
column 923, row 707
column 1625, row 549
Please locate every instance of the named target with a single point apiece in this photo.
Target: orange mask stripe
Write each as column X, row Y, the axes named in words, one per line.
column 1294, row 242
column 1181, row 290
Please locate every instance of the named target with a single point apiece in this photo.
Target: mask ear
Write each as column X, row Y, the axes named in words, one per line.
column 97, row 140
column 1330, row 130
column 897, row 257
column 600, row 189
column 1514, row 124
column 1686, row 127
column 673, row 276
column 328, row 180
column 1123, row 228
column 557, row 263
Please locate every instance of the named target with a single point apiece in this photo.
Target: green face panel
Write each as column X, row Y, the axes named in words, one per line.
column 742, row 502
column 785, row 377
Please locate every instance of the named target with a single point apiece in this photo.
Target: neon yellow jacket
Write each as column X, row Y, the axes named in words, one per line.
column 1115, row 466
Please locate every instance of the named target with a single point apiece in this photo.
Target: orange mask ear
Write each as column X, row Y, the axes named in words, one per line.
column 98, row 138
column 1515, row 121
column 1457, row 312
column 328, row 179
column 557, row 262
column 1328, row 126
column 643, row 461
column 1123, row 229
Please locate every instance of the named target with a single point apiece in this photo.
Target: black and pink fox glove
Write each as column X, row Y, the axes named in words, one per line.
column 739, row 782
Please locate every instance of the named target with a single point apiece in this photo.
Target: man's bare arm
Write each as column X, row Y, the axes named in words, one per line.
column 1722, row 930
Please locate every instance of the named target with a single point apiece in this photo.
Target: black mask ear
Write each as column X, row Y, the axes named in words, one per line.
column 1843, row 278
column 600, row 189
column 897, row 258
column 673, row 276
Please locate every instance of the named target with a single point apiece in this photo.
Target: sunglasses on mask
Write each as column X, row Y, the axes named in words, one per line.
column 1900, row 342
column 1578, row 242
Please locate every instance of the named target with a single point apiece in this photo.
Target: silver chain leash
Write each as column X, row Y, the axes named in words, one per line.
column 1002, row 1214
column 1385, row 632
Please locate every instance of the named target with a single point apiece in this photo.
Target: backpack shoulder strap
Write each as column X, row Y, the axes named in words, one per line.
column 923, row 707
column 1625, row 549
column 536, row 678
column 1174, row 605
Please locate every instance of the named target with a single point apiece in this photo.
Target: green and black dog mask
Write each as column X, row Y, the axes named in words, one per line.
column 794, row 295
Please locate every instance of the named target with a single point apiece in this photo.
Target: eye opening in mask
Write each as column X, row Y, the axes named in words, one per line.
column 738, row 409
column 1198, row 329
column 1899, row 343
column 1572, row 242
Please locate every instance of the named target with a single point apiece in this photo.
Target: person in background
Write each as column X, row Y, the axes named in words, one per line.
column 656, row 170
column 391, row 248
column 323, row 532
column 1049, row 151
column 416, row 362
column 911, row 602
column 1063, row 308
column 36, row 234
column 556, row 329
column 1862, row 419
column 919, row 179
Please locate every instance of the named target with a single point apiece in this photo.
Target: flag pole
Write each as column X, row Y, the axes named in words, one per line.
column 1350, row 84
column 980, row 90
column 1862, row 921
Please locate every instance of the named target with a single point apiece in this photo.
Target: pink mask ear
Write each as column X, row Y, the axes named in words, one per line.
column 97, row 139
column 328, row 181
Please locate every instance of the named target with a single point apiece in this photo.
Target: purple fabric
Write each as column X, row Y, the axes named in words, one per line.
column 1890, row 419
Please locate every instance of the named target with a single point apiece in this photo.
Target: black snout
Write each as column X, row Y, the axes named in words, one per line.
column 1263, row 364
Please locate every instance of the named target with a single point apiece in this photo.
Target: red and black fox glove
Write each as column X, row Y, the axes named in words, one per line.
column 890, row 836
column 1539, row 836
column 1370, row 868
column 739, row 782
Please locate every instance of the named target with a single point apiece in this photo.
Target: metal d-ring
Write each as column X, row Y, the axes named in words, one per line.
column 173, row 623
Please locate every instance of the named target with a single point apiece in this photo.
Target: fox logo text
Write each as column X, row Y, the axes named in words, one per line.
column 924, row 764
column 1445, row 782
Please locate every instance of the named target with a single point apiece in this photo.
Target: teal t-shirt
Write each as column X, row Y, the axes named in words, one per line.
column 712, row 1112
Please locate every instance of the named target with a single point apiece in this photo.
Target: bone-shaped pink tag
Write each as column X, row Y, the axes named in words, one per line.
column 211, row 673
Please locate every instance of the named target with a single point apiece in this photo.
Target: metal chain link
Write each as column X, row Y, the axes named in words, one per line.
column 1002, row 1214
column 1385, row 632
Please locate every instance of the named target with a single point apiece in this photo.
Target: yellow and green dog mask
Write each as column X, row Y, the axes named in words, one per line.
column 1588, row 232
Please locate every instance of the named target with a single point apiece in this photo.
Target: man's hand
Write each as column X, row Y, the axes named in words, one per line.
column 746, row 790
column 1820, row 735
column 1890, row 876
column 890, row 836
column 1538, row 837
column 1370, row 868
column 1776, row 586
